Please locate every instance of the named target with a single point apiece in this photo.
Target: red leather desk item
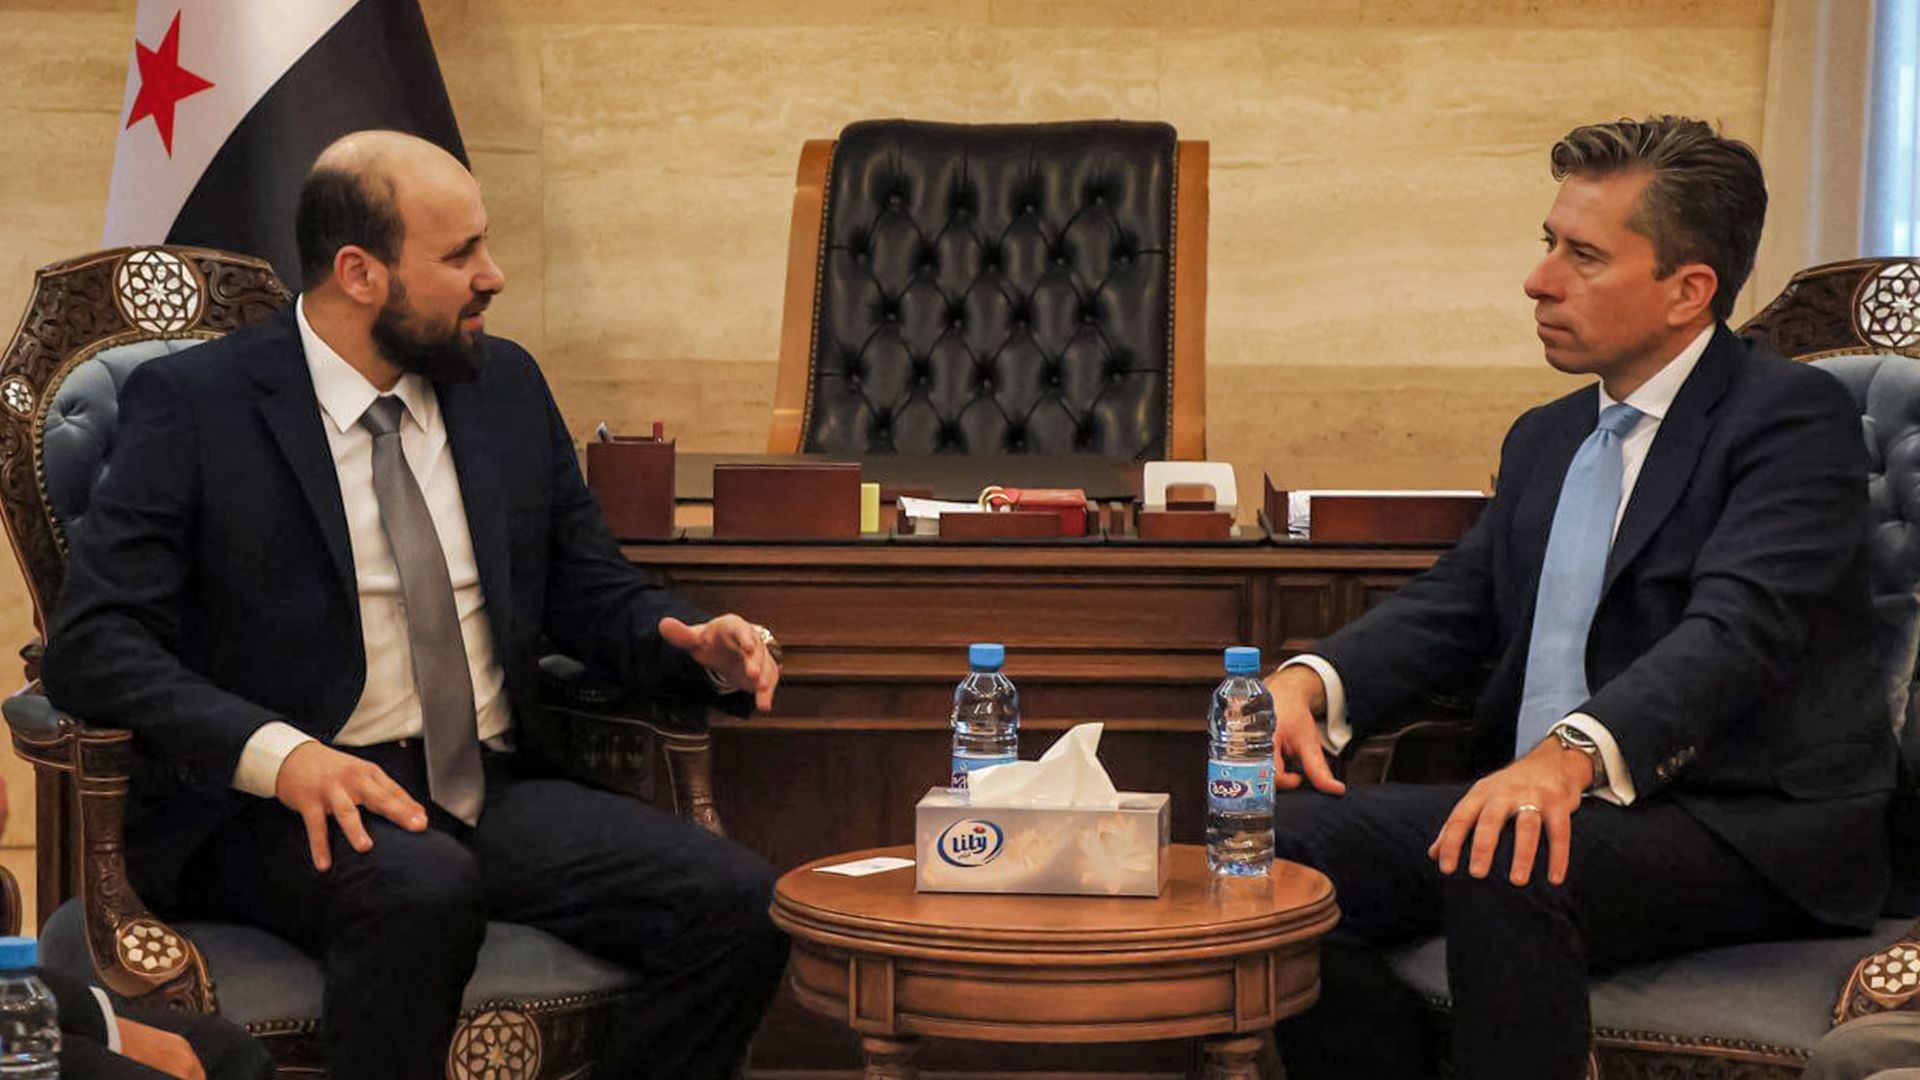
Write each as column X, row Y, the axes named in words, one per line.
column 815, row 501
column 1070, row 504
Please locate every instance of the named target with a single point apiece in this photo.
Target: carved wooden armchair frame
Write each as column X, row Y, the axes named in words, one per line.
column 657, row 751
column 1862, row 306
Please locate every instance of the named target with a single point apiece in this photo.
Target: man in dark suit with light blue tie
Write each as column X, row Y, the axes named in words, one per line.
column 1679, row 739
column 316, row 582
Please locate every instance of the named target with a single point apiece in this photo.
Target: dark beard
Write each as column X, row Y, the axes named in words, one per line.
column 448, row 358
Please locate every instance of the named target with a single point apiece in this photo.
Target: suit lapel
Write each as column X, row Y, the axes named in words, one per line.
column 462, row 408
column 287, row 404
column 1676, row 449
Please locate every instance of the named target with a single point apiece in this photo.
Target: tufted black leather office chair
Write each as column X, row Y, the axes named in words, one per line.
column 996, row 289
column 1753, row 1012
column 535, row 1008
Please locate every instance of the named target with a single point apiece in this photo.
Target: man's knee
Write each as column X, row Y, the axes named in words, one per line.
column 1307, row 825
column 1864, row 1048
column 426, row 886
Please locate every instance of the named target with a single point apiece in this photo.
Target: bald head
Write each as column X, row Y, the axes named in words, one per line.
column 360, row 191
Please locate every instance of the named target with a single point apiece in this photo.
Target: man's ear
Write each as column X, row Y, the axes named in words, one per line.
column 1694, row 287
column 361, row 276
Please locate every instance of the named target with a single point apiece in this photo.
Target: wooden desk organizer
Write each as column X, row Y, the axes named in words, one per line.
column 1381, row 519
column 1001, row 525
column 814, row 501
column 1185, row 525
column 632, row 479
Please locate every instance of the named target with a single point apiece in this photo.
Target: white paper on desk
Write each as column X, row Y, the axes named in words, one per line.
column 1068, row 774
column 879, row 864
column 1300, row 503
column 931, row 509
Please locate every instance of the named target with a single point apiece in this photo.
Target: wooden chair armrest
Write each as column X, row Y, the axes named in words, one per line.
column 657, row 751
column 1886, row 980
column 1433, row 747
column 134, row 954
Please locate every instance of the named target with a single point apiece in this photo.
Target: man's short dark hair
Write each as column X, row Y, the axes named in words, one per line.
column 1705, row 199
column 338, row 208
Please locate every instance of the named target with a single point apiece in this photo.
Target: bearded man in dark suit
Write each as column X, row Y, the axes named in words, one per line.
column 1681, row 738
column 315, row 584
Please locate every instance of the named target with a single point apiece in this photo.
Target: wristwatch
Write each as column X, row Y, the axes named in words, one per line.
column 1573, row 738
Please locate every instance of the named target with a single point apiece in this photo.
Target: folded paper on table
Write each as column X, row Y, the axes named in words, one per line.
column 931, row 509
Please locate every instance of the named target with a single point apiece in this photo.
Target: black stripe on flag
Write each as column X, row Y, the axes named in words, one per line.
column 374, row 69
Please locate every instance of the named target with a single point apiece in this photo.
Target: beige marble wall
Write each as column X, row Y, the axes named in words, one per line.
column 1378, row 179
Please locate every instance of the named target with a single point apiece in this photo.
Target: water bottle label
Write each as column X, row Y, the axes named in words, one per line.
column 966, row 763
column 1239, row 787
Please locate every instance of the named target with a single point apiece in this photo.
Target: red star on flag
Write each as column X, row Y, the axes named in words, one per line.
column 163, row 83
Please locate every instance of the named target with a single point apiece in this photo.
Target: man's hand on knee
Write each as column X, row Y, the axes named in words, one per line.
column 162, row 1051
column 317, row 782
column 1539, row 792
column 1298, row 698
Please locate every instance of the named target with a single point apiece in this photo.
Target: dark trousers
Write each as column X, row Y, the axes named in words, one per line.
column 1644, row 881
column 397, row 929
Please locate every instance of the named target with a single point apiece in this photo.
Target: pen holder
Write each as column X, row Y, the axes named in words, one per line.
column 632, row 479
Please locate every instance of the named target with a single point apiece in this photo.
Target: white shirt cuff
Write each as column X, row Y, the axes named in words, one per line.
column 1335, row 734
column 106, row 1013
column 266, row 750
column 1619, row 790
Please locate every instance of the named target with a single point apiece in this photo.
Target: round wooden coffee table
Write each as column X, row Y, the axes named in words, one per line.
column 1218, row 960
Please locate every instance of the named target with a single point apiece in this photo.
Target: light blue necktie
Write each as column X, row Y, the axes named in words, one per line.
column 1570, row 579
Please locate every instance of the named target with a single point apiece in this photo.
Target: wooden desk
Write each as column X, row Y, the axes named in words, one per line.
column 876, row 636
column 1220, row 960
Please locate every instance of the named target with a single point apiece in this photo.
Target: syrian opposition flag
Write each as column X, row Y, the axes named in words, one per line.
column 229, row 101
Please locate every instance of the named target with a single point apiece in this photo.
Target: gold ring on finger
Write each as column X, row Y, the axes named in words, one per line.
column 1526, row 808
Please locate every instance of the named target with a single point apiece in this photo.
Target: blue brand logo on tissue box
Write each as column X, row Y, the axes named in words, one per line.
column 971, row 842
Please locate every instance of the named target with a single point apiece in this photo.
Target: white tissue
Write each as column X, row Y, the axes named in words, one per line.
column 1068, row 774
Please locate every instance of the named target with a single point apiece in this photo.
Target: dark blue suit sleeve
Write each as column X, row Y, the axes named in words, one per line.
column 79, row 1009
column 1435, row 630
column 602, row 609
column 114, row 651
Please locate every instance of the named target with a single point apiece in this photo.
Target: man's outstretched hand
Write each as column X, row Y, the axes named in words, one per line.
column 730, row 647
column 1297, row 696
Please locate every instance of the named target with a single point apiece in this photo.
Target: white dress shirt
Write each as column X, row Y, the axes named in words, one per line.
column 1653, row 399
column 389, row 706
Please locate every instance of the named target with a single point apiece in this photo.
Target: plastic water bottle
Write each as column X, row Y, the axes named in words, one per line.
column 1240, row 770
column 986, row 714
column 29, row 1020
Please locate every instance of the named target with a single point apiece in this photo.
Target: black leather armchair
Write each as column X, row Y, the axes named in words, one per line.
column 1753, row 1012
column 996, row 289
column 535, row 1007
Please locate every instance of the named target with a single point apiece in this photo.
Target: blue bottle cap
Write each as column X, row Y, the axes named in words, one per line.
column 19, row 953
column 986, row 655
column 1243, row 660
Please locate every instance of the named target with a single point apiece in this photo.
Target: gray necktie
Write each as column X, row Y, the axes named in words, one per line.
column 440, row 672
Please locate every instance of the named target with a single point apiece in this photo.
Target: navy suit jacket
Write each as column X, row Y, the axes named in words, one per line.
column 1731, row 654
column 210, row 585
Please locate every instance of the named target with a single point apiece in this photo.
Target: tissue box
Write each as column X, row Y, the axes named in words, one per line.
column 960, row 847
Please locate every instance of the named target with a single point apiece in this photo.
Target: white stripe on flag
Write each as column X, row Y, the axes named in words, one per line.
column 242, row 47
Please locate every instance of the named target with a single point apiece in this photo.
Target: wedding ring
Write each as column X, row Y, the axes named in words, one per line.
column 1526, row 808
